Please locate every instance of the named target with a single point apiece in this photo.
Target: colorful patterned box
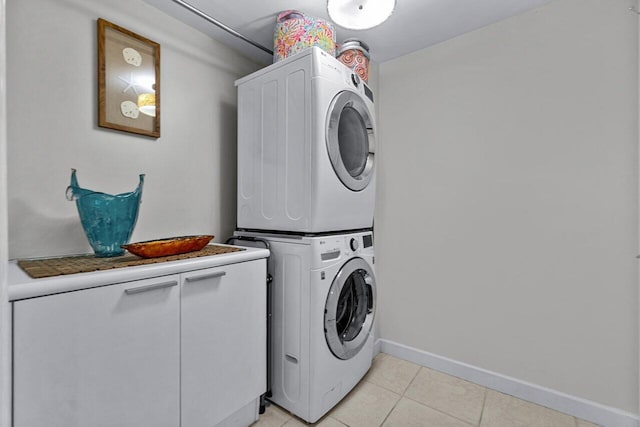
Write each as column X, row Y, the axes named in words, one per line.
column 355, row 54
column 296, row 31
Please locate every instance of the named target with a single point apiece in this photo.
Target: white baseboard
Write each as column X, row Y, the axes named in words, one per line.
column 376, row 347
column 581, row 408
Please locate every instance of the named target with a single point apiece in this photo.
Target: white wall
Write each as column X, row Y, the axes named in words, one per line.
column 507, row 216
column 5, row 317
column 190, row 182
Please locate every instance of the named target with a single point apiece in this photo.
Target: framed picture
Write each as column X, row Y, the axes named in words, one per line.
column 128, row 81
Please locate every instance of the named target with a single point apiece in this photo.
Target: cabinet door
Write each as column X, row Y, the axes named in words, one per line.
column 105, row 356
column 223, row 325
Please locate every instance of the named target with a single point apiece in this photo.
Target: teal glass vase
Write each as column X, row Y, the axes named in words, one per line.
column 108, row 220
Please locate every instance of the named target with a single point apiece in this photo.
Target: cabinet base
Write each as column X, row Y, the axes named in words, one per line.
column 244, row 416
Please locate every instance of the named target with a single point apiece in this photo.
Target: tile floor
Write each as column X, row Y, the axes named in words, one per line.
column 397, row 393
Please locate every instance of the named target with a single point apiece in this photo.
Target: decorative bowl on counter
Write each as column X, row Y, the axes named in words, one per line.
column 169, row 246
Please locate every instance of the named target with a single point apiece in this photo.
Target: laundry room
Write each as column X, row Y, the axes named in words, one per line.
column 468, row 259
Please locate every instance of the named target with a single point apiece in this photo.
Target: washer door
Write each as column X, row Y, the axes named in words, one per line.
column 350, row 140
column 350, row 308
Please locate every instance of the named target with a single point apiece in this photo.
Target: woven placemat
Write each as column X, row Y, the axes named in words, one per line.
column 49, row 267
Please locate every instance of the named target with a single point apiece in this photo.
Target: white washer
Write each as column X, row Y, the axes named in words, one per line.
column 323, row 302
column 306, row 144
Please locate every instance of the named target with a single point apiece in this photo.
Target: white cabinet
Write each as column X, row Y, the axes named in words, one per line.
column 106, row 356
column 223, row 341
column 186, row 349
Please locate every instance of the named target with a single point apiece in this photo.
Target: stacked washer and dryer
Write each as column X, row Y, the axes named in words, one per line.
column 306, row 185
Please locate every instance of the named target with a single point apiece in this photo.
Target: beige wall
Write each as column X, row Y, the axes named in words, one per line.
column 507, row 217
column 52, row 126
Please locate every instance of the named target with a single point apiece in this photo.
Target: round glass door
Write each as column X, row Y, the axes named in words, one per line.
column 350, row 140
column 350, row 309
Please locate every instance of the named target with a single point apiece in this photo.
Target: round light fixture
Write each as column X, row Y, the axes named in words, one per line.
column 360, row 14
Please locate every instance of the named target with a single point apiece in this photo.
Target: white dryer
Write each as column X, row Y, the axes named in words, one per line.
column 306, row 144
column 323, row 302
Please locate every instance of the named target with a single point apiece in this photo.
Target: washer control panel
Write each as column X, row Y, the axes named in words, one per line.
column 335, row 247
column 330, row 248
column 356, row 243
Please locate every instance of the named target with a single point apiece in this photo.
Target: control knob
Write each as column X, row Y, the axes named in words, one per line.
column 354, row 244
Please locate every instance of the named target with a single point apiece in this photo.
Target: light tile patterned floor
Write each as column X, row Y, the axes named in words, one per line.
column 397, row 393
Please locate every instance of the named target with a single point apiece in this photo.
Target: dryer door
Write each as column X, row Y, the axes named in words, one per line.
column 350, row 309
column 350, row 140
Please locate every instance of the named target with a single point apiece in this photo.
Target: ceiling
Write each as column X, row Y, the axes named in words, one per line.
column 414, row 25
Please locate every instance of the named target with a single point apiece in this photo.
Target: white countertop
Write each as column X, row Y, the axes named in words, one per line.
column 22, row 286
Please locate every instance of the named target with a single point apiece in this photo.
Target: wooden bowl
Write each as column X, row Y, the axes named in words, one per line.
column 169, row 246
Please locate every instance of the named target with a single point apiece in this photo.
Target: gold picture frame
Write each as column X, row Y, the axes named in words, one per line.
column 128, row 81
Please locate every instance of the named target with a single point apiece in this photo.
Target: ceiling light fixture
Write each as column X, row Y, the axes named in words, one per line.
column 360, row 14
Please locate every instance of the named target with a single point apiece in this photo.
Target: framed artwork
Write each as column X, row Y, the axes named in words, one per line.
column 128, row 81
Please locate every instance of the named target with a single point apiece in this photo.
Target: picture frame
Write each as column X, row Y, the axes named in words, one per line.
column 128, row 81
